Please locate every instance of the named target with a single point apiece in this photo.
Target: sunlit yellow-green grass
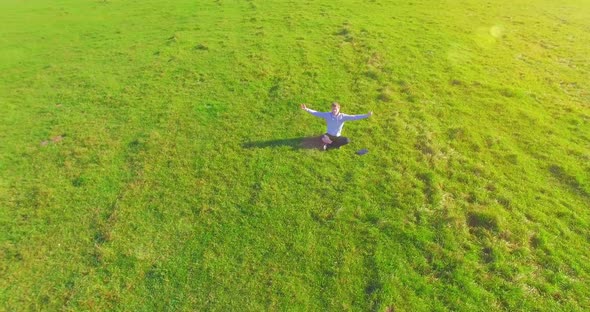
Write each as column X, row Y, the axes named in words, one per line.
column 153, row 155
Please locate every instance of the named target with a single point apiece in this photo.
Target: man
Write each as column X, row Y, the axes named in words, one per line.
column 334, row 121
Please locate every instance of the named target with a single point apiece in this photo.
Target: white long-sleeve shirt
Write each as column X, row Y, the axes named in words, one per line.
column 335, row 123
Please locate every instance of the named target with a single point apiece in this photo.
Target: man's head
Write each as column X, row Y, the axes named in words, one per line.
column 335, row 108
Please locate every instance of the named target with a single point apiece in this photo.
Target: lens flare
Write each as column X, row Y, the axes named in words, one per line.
column 497, row 31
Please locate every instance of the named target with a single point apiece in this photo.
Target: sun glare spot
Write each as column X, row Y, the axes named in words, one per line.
column 496, row 31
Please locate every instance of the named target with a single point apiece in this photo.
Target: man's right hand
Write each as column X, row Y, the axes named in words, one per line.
column 303, row 107
column 326, row 139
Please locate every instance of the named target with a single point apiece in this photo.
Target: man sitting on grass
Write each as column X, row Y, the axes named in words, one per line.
column 334, row 120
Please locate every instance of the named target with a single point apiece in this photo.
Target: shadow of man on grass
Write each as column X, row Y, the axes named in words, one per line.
column 314, row 142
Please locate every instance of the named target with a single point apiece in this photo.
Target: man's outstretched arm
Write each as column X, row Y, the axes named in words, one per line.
column 356, row 117
column 311, row 111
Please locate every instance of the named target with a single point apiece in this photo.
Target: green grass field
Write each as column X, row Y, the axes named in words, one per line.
column 152, row 156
